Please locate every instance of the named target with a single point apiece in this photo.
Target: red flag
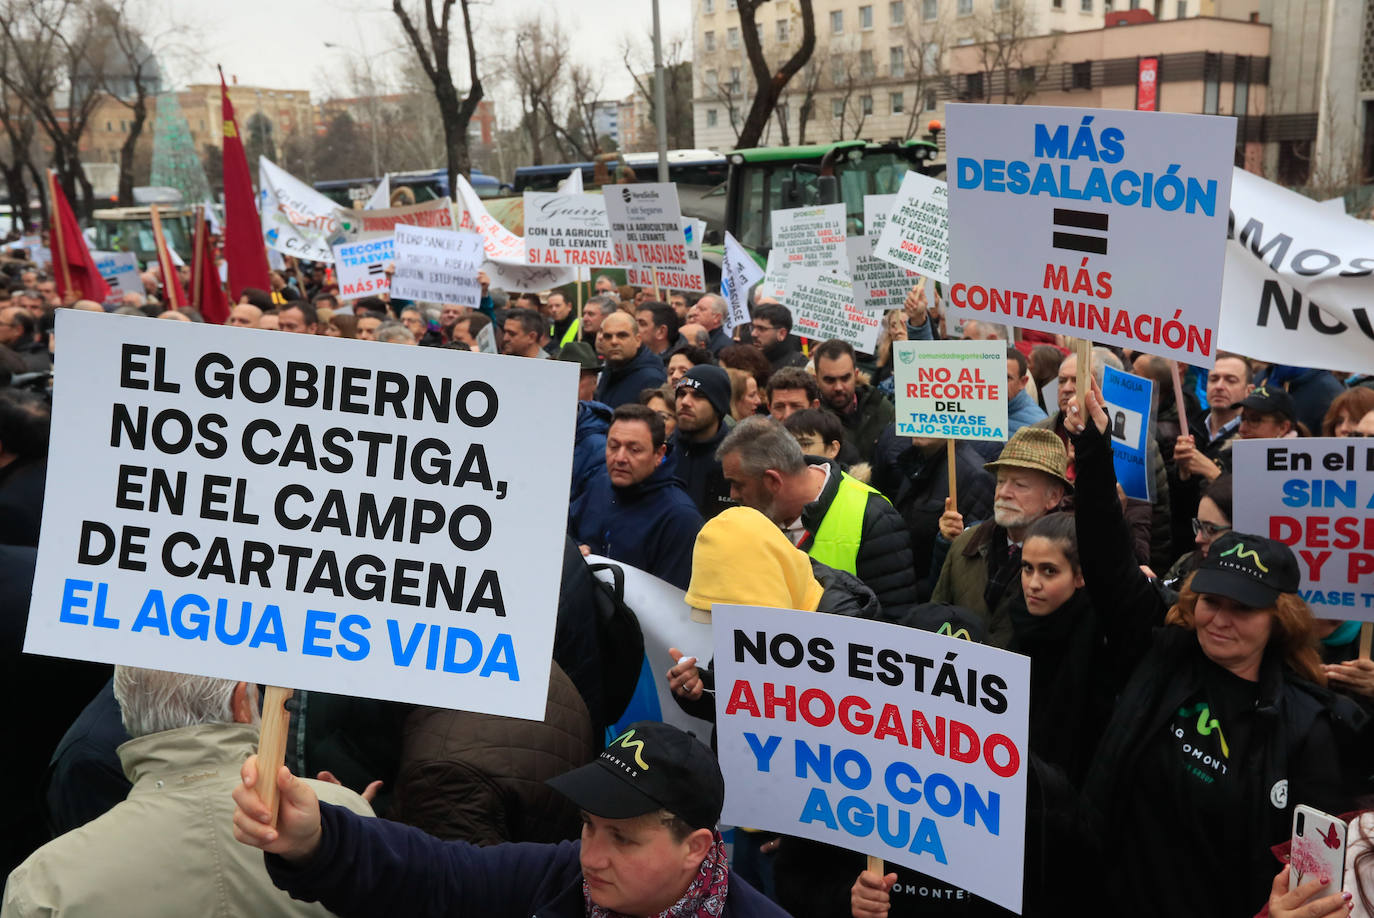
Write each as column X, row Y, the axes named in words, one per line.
column 73, row 266
column 243, row 247
column 171, row 278
column 207, row 291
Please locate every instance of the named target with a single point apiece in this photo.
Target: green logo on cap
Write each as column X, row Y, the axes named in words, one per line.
column 1245, row 554
column 626, row 740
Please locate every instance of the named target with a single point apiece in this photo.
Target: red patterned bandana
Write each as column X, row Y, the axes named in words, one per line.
column 705, row 898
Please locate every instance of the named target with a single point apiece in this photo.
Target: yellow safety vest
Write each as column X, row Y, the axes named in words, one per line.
column 837, row 540
column 571, row 333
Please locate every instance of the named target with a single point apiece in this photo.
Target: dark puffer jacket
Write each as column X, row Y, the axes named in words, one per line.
column 621, row 385
column 884, row 559
column 480, row 778
column 700, row 471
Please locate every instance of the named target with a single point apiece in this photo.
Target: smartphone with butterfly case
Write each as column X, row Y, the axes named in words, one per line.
column 1317, row 851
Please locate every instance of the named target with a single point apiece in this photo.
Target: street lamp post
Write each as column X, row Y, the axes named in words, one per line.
column 660, row 99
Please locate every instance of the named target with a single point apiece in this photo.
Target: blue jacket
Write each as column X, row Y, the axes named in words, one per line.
column 589, row 448
column 652, row 525
column 1022, row 411
column 376, row 867
column 621, row 385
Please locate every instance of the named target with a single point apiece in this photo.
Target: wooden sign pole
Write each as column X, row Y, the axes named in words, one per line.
column 272, row 746
column 950, row 446
column 1366, row 637
column 875, row 865
column 1083, row 348
column 170, row 281
column 197, row 256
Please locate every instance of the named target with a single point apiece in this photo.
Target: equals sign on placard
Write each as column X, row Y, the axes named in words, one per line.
column 1077, row 221
column 380, row 268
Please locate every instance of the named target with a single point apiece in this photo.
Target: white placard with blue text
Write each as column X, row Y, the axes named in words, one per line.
column 1316, row 495
column 865, row 735
column 1131, row 424
column 1103, row 224
column 950, row 390
column 304, row 511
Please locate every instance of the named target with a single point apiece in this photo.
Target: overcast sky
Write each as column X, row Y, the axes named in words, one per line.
column 281, row 43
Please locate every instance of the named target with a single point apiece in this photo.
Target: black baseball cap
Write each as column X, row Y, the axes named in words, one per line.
column 1267, row 400
column 652, row 766
column 1250, row 569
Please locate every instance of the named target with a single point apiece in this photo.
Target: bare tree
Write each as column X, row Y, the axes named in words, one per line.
column 677, row 85
column 926, row 45
column 129, row 74
column 20, row 152
column 432, row 48
column 769, row 82
column 1012, row 65
column 808, row 84
column 537, row 70
column 51, row 69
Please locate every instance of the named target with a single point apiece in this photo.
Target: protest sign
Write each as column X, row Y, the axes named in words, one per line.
column 514, row 278
column 1298, row 282
column 567, row 229
column 1315, row 495
column 666, row 621
column 951, row 389
column 870, row 736
column 1065, row 220
column 120, row 270
column 876, row 209
column 296, row 219
column 647, row 236
column 358, row 224
column 499, row 243
column 916, row 232
column 738, row 275
column 822, row 305
column 360, row 267
column 305, row 511
column 810, row 236
column 878, row 285
column 437, row 266
column 774, row 283
column 693, row 232
column 1130, row 411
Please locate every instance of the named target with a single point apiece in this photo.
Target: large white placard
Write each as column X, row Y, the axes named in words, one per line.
column 866, row 735
column 951, row 389
column 437, row 266
column 296, row 219
column 822, row 305
column 305, row 511
column 876, row 209
column 915, row 234
column 119, row 270
column 878, row 285
column 1315, row 495
column 1299, row 280
column 567, row 229
column 647, row 234
column 360, row 267
column 810, row 236
column 1066, row 219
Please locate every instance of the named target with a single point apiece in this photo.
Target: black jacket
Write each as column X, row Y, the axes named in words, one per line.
column 1300, row 746
column 717, row 340
column 651, row 525
column 884, row 560
column 700, row 471
column 785, row 353
column 621, row 385
column 873, row 413
column 917, row 484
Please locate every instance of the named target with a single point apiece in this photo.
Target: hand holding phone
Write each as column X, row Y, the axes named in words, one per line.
column 1317, row 851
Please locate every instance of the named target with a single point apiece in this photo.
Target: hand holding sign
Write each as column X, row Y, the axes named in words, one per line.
column 294, row 832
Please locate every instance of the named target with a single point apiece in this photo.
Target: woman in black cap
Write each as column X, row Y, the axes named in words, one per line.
column 1225, row 723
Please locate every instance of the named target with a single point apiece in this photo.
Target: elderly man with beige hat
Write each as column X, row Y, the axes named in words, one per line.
column 982, row 571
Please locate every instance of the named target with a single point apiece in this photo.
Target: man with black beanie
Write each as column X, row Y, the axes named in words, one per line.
column 702, row 404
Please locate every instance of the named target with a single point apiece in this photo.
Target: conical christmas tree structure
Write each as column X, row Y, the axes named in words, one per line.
column 176, row 164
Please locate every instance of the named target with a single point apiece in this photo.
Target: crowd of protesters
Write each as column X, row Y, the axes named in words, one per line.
column 744, row 466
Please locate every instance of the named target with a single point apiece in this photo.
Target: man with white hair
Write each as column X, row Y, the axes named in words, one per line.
column 710, row 312
column 168, row 849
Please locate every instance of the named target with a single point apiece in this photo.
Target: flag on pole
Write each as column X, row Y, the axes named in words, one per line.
column 171, row 278
column 243, row 247
column 206, row 290
column 73, row 266
column 381, row 198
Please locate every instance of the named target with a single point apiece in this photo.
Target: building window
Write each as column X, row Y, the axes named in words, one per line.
column 731, row 5
column 866, row 104
column 837, row 22
column 712, row 80
column 895, row 102
column 973, row 86
column 896, row 61
column 1182, row 9
column 896, row 12
column 734, row 80
column 1082, row 75
column 1211, row 83
column 782, row 31
column 867, row 70
column 732, row 37
column 708, row 6
column 930, row 60
column 1240, row 106
column 710, row 40
column 837, row 108
column 1000, row 4
column 1057, row 4
column 965, row 7
column 1085, row 6
column 838, row 73
column 865, row 17
column 930, row 9
column 932, row 100
column 712, row 117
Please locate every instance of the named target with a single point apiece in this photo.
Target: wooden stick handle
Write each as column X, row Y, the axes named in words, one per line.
column 875, row 865
column 1366, row 636
column 272, row 745
column 950, row 446
column 1083, row 348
